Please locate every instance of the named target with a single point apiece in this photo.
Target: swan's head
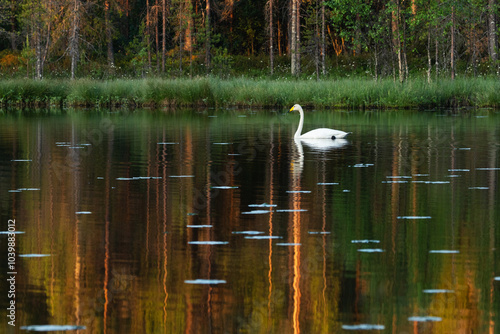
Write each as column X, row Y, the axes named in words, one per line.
column 296, row 107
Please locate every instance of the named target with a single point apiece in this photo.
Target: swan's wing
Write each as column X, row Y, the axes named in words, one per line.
column 324, row 133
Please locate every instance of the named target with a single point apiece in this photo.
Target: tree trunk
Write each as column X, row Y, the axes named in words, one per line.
column 207, row 37
column 429, row 62
column 163, row 37
column 437, row 59
column 316, row 40
column 492, row 31
column 109, row 37
column 297, row 44
column 148, row 32
column 396, row 37
column 73, row 42
column 323, row 44
column 452, row 56
column 271, row 37
column 13, row 25
column 293, row 38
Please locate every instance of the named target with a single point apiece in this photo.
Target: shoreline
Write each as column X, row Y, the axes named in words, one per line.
column 206, row 92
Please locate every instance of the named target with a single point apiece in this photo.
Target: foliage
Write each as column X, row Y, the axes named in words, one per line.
column 380, row 37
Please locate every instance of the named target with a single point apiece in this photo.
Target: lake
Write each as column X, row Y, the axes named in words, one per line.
column 217, row 221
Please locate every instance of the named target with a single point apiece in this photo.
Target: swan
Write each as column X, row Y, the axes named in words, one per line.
column 321, row 133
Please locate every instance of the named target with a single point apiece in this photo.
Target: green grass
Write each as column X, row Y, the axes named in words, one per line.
column 245, row 92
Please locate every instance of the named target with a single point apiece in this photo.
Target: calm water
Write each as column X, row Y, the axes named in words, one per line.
column 218, row 222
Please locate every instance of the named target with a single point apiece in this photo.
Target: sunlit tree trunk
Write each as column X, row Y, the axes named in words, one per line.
column 396, row 37
column 295, row 38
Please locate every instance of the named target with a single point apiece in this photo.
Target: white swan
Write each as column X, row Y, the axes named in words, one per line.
column 321, row 133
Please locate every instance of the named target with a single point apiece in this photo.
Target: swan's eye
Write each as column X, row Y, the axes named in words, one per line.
column 333, row 137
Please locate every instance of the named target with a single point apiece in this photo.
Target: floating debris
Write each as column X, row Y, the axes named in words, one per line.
column 83, row 212
column 365, row 241
column 224, row 187
column 414, row 217
column 247, row 232
column 371, row 250
column 437, row 291
column 421, row 174
column 181, row 175
column 287, row 244
column 424, row 319
column 208, row 242
column 167, row 143
column 192, row 214
column 199, row 226
column 50, row 328
column 298, row 191
column 263, row 205
column 263, row 237
column 437, row 182
column 23, row 189
column 458, row 170
column 463, row 148
column 362, row 165
column 291, row 210
column 34, row 255
column 13, row 232
column 497, row 278
column 205, row 281
column 319, row 232
column 21, row 160
column 256, row 212
column 221, row 143
column 363, row 327
column 395, row 181
column 479, row 188
column 327, row 183
column 346, row 191
column 488, row 168
column 135, row 178
column 398, row 177
column 444, row 251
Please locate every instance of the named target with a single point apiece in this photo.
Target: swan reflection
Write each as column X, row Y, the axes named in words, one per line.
column 317, row 145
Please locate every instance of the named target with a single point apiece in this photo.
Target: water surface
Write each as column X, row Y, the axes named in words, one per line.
column 181, row 222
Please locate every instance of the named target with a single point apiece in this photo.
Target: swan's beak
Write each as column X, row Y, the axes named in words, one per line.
column 291, row 109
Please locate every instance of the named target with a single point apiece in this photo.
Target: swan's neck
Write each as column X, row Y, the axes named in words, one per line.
column 301, row 124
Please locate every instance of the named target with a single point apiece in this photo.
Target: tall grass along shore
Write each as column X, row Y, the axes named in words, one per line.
column 244, row 92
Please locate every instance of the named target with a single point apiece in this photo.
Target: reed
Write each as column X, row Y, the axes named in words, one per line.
column 342, row 93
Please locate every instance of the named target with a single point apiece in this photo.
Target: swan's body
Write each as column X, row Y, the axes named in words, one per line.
column 321, row 133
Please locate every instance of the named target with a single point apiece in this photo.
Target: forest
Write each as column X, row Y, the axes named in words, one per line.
column 108, row 39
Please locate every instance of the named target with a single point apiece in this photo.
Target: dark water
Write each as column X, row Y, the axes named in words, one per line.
column 218, row 222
